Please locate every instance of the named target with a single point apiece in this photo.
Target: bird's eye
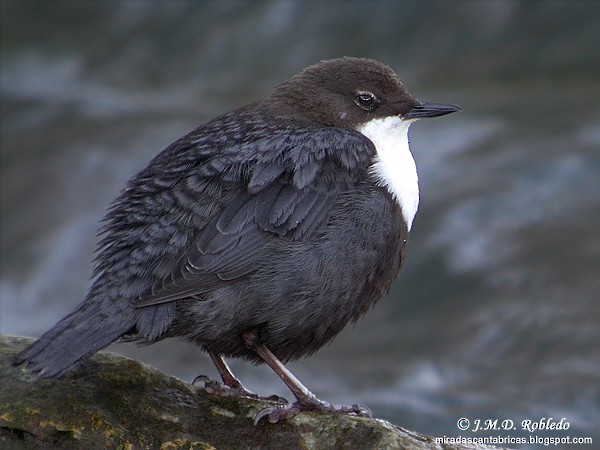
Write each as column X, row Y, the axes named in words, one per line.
column 366, row 100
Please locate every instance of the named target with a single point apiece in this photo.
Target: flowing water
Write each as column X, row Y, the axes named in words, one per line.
column 496, row 314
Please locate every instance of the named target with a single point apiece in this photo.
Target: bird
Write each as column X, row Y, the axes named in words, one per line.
column 259, row 235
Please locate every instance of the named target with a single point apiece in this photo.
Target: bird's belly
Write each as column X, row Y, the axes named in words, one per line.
column 315, row 290
column 307, row 291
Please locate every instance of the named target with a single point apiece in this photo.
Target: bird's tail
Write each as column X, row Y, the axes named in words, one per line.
column 93, row 325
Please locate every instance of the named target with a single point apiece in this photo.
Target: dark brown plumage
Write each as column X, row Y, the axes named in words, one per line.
column 264, row 227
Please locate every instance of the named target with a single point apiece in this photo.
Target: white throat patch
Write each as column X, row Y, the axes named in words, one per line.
column 394, row 166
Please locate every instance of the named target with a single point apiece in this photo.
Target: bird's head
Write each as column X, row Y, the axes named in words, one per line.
column 350, row 92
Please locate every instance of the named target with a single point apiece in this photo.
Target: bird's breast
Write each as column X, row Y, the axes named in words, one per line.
column 310, row 290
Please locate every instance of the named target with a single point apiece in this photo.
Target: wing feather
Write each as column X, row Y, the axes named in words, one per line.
column 286, row 188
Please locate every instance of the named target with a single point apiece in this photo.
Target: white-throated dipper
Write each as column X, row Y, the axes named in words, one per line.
column 262, row 233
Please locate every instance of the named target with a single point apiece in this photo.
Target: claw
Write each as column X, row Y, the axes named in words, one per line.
column 205, row 379
column 276, row 413
column 211, row 385
column 281, row 412
column 215, row 387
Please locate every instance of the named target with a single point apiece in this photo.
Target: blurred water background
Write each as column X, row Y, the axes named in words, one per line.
column 496, row 314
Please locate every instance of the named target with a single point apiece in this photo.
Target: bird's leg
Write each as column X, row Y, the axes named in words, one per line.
column 231, row 385
column 305, row 400
column 226, row 374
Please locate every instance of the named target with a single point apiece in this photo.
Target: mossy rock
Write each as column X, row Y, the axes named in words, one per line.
column 117, row 403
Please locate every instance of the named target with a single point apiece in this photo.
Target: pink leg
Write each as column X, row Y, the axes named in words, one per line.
column 306, row 400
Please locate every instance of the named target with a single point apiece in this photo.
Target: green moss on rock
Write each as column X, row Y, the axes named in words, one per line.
column 115, row 402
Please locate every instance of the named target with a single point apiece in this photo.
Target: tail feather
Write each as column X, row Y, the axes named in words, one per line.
column 92, row 326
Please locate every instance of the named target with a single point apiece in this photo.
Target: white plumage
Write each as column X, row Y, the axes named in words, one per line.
column 394, row 166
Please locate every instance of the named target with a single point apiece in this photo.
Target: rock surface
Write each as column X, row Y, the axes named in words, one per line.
column 114, row 402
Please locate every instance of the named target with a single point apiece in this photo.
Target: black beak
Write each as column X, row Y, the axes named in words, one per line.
column 424, row 110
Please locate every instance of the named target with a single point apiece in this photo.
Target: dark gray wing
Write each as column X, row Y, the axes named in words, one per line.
column 283, row 186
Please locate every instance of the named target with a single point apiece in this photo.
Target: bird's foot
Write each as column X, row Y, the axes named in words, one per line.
column 217, row 388
column 277, row 413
